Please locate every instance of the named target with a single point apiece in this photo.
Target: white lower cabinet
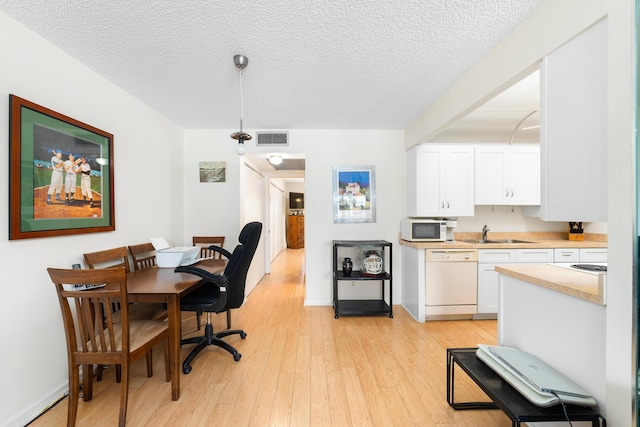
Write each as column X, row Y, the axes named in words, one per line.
column 593, row 255
column 488, row 278
column 582, row 255
column 541, row 256
column 566, row 255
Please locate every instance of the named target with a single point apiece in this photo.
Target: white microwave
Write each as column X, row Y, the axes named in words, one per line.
column 424, row 230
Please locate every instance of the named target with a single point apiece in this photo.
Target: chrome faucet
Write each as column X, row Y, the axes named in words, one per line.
column 484, row 232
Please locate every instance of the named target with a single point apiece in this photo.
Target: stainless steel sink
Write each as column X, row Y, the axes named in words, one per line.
column 480, row 241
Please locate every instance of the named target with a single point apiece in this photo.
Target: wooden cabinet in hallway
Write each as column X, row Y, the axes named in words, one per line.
column 295, row 232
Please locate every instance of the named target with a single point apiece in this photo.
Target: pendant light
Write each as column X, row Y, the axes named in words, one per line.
column 241, row 63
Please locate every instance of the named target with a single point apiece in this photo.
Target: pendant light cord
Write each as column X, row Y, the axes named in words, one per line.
column 241, row 102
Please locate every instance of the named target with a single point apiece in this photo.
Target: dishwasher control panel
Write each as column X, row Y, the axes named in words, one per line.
column 449, row 255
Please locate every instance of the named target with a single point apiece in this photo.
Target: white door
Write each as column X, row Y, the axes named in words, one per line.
column 252, row 186
column 277, row 219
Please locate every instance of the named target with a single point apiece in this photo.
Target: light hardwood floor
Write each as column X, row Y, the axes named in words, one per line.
column 302, row 367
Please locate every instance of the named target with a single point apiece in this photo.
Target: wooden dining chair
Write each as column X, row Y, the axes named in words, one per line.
column 143, row 255
column 119, row 257
column 116, row 257
column 204, row 242
column 94, row 337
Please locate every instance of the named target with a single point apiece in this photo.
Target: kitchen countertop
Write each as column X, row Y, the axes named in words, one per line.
column 589, row 287
column 539, row 240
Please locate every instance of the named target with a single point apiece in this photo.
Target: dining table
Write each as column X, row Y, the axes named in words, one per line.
column 164, row 285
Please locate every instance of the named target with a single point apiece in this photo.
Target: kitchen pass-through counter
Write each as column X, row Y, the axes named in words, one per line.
column 587, row 286
column 559, row 315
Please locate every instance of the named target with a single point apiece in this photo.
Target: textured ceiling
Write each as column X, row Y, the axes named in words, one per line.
column 313, row 64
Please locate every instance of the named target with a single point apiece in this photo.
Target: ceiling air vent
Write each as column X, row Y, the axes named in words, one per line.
column 272, row 138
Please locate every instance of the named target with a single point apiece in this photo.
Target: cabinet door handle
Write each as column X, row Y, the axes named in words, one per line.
column 512, row 192
column 506, row 192
column 442, row 205
column 448, row 204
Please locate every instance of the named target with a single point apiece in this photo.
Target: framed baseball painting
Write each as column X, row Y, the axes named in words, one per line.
column 354, row 195
column 60, row 174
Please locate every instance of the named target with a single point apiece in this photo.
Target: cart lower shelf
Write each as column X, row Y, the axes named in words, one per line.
column 362, row 308
column 503, row 396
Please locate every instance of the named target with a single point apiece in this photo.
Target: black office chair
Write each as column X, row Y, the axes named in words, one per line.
column 210, row 298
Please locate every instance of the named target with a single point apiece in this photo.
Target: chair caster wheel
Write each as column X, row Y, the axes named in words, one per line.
column 237, row 356
column 243, row 335
column 186, row 369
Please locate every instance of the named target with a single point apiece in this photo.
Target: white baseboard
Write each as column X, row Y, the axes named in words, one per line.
column 33, row 411
column 309, row 303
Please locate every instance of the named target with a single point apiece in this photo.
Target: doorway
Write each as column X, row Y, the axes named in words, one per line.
column 279, row 180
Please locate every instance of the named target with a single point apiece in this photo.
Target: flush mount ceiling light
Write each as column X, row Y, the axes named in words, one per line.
column 241, row 63
column 275, row 159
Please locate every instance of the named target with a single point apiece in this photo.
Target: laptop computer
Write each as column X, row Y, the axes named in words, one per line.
column 549, row 385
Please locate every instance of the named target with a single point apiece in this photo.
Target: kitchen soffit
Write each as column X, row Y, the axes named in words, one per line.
column 496, row 120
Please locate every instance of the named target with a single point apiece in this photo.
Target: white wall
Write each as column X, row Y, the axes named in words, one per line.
column 222, row 208
column 511, row 218
column 148, row 200
column 622, row 185
column 211, row 208
column 325, row 149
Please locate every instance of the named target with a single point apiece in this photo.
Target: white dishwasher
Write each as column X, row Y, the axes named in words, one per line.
column 451, row 278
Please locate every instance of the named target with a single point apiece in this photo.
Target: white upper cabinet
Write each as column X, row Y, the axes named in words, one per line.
column 573, row 132
column 440, row 180
column 507, row 175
